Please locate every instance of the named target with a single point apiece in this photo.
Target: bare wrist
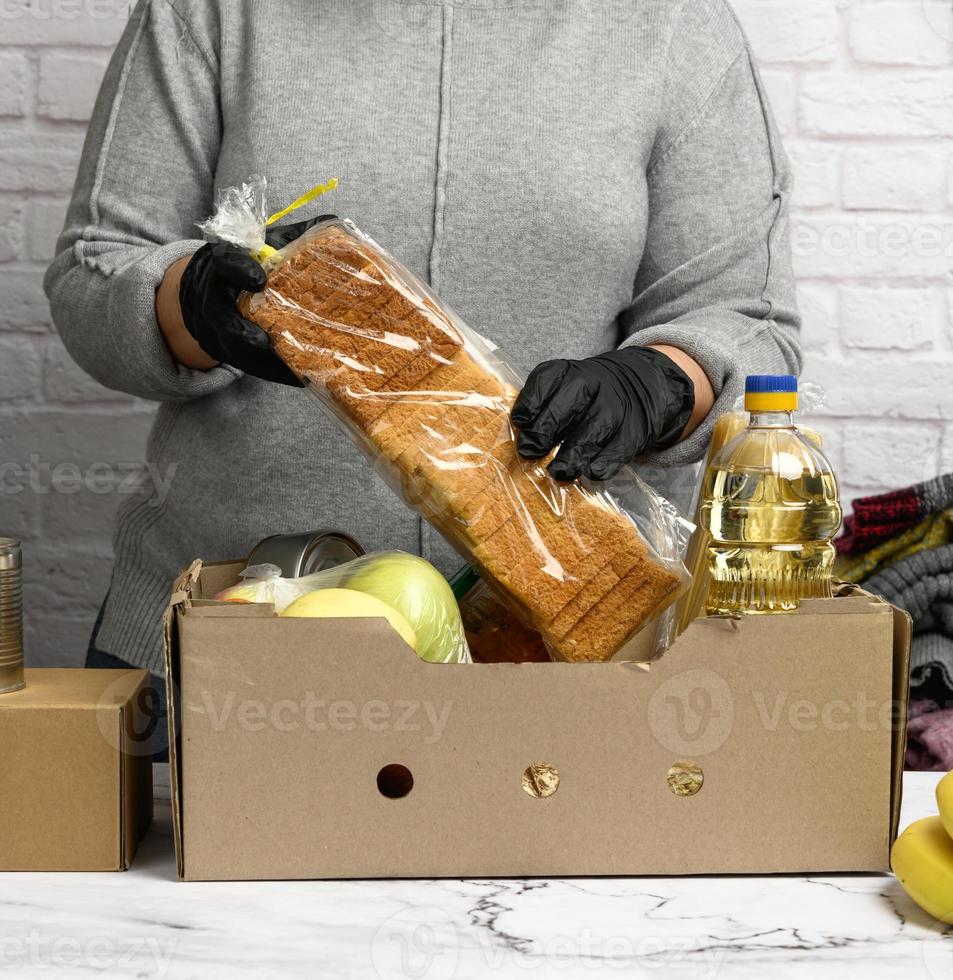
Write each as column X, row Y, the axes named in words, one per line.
column 182, row 345
column 704, row 392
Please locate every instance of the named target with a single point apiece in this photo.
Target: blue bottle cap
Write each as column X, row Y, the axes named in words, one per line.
column 769, row 384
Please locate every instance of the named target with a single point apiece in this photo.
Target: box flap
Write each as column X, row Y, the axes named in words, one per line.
column 213, row 577
column 181, row 598
column 189, row 593
column 232, row 610
column 902, row 636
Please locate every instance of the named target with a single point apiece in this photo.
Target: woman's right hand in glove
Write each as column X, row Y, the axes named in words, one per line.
column 197, row 308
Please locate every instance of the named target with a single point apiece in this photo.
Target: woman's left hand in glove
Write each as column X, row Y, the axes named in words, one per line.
column 197, row 311
column 603, row 411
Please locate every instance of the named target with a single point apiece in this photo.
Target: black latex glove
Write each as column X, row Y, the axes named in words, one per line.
column 605, row 411
column 211, row 284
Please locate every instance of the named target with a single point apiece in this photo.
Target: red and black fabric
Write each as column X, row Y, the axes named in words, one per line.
column 877, row 519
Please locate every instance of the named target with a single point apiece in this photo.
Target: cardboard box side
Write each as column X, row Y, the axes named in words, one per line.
column 212, row 577
column 902, row 638
column 317, row 812
column 180, row 599
column 175, row 745
column 60, row 806
column 856, row 655
column 136, row 771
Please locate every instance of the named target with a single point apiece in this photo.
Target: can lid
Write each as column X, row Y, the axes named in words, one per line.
column 9, row 554
column 771, row 393
column 306, row 552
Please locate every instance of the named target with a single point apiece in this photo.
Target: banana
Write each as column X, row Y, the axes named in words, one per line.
column 944, row 800
column 922, row 859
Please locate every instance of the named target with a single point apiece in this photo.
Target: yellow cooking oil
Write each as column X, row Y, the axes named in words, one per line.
column 770, row 510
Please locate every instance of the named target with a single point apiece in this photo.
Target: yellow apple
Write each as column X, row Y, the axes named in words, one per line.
column 350, row 604
column 922, row 860
column 944, row 800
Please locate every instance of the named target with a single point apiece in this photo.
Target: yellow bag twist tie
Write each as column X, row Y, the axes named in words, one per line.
column 267, row 252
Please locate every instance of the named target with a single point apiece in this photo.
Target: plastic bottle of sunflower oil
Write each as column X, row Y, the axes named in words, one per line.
column 771, row 508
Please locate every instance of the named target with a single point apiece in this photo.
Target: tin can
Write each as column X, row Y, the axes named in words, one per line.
column 303, row 554
column 11, row 616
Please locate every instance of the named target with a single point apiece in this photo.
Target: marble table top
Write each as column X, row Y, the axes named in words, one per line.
column 145, row 924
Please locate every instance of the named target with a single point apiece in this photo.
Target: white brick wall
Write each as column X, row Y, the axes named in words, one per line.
column 863, row 91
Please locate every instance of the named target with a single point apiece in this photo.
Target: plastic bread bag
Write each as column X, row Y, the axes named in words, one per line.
column 429, row 400
column 405, row 584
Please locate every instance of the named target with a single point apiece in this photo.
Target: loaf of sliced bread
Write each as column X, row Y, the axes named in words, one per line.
column 428, row 404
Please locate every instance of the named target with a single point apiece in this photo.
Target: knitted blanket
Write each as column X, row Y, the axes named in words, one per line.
column 923, row 585
column 877, row 519
column 931, row 532
column 929, row 738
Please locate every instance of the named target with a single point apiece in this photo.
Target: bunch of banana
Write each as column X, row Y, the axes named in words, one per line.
column 922, row 857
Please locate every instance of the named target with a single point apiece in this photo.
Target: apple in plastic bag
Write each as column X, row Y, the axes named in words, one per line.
column 422, row 595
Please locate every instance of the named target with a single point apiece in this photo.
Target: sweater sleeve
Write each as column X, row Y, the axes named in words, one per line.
column 716, row 279
column 145, row 178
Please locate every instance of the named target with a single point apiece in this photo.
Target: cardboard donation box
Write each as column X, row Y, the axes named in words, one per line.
column 326, row 749
column 77, row 783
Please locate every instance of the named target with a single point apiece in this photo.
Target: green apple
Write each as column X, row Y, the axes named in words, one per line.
column 422, row 595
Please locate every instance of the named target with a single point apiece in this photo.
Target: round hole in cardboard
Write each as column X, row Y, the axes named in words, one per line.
column 685, row 778
column 540, row 780
column 395, row 781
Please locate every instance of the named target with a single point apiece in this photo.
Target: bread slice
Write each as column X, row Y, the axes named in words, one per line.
column 335, row 317
column 593, row 592
column 484, row 514
column 558, row 568
column 641, row 593
column 537, row 554
column 455, row 464
column 615, row 549
column 418, row 423
column 365, row 405
column 557, row 540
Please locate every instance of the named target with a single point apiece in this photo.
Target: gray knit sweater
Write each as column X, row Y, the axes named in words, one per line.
column 569, row 175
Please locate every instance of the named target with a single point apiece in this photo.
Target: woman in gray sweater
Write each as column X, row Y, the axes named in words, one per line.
column 575, row 178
